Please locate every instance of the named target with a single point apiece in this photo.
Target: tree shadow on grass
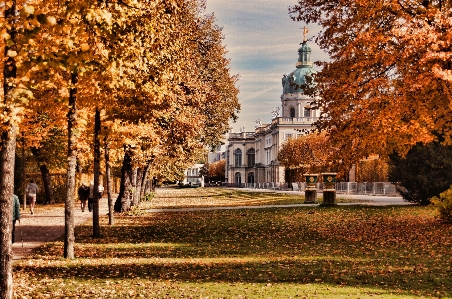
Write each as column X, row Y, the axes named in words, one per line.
column 319, row 271
column 389, row 249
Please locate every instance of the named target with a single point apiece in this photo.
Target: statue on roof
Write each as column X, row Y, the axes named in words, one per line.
column 275, row 112
column 258, row 123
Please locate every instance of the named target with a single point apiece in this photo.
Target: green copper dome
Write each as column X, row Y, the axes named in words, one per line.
column 292, row 83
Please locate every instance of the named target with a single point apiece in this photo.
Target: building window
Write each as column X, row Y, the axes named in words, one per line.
column 251, row 177
column 292, row 112
column 288, row 136
column 238, row 179
column 251, row 157
column 307, row 113
column 238, row 158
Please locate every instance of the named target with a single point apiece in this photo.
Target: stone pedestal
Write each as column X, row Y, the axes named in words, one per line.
column 329, row 189
column 310, row 196
column 329, row 198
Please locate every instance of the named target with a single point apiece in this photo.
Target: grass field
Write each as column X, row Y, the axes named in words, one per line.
column 307, row 252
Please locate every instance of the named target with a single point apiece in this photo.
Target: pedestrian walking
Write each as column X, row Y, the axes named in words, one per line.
column 101, row 190
column 16, row 213
column 83, row 194
column 31, row 191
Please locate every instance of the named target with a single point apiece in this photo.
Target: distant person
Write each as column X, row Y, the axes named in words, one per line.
column 91, row 196
column 31, row 191
column 101, row 190
column 16, row 212
column 83, row 194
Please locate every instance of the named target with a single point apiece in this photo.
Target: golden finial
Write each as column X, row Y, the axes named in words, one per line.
column 305, row 33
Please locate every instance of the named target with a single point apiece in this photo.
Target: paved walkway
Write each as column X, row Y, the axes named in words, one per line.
column 48, row 225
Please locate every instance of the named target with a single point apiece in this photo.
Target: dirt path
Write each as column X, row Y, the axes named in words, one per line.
column 46, row 225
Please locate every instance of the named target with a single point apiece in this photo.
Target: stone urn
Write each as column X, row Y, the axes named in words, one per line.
column 310, row 193
column 329, row 189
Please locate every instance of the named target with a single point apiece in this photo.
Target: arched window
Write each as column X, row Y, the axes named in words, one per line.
column 238, row 158
column 238, row 179
column 251, row 177
column 292, row 112
column 251, row 157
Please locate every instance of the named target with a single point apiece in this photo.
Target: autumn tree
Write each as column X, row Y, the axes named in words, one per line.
column 372, row 169
column 307, row 153
column 13, row 98
column 187, row 94
column 217, row 170
column 387, row 85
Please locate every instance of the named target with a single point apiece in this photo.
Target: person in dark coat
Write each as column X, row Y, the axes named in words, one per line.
column 16, row 213
column 83, row 194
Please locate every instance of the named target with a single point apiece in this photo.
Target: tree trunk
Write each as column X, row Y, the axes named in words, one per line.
column 96, row 224
column 137, row 193
column 7, row 159
column 111, row 219
column 144, row 179
column 8, row 147
column 134, row 187
column 24, row 174
column 47, row 182
column 69, row 238
column 122, row 203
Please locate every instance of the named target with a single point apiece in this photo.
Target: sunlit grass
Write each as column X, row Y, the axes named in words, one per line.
column 221, row 197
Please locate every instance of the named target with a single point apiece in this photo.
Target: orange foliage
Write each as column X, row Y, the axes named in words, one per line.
column 310, row 153
column 388, row 83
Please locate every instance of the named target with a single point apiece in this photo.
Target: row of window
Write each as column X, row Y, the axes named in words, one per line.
column 251, row 157
column 307, row 112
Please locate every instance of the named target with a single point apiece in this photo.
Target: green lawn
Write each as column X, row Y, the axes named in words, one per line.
column 307, row 252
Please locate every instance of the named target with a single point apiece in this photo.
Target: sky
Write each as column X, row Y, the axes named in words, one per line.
column 262, row 43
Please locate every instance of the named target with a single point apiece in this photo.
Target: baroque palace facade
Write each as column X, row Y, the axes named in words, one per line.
column 251, row 157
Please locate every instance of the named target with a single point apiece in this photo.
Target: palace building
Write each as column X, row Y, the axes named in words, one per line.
column 251, row 157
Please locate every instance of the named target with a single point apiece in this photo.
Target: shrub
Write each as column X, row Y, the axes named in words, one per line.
column 425, row 172
column 444, row 205
column 135, row 211
column 148, row 197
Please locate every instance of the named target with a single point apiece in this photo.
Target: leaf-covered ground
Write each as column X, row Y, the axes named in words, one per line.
column 307, row 252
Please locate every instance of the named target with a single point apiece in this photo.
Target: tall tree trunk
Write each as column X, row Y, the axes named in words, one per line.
column 96, row 224
column 8, row 148
column 122, row 203
column 134, row 186
column 24, row 173
column 145, row 178
column 137, row 194
column 69, row 238
column 47, row 182
column 7, row 159
column 111, row 219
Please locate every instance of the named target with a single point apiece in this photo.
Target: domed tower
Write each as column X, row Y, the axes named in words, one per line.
column 294, row 103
